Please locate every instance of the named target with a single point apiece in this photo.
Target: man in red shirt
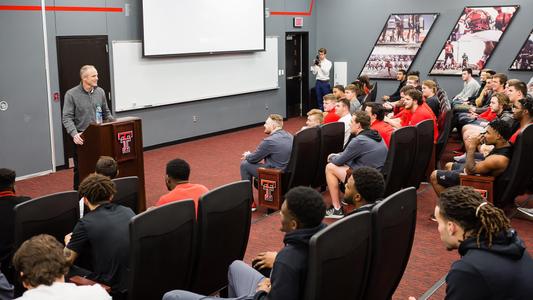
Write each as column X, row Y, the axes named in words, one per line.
column 377, row 114
column 416, row 111
column 177, row 181
column 329, row 109
column 523, row 113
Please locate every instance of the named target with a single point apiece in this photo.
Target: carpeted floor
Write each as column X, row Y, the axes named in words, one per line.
column 215, row 161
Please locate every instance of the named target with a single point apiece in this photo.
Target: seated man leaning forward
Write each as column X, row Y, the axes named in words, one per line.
column 42, row 266
column 102, row 234
column 497, row 134
column 302, row 213
column 366, row 149
column 275, row 149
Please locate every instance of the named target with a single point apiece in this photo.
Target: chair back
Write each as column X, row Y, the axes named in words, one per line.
column 224, row 219
column 445, row 126
column 304, row 158
column 373, row 93
column 339, row 256
column 162, row 250
column 444, row 102
column 516, row 178
column 424, row 150
column 393, row 230
column 400, row 159
column 331, row 141
column 54, row 214
column 127, row 192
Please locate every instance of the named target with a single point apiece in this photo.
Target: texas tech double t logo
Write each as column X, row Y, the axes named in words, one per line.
column 124, row 139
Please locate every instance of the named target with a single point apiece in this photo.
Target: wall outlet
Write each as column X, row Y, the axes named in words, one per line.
column 266, row 106
column 195, row 119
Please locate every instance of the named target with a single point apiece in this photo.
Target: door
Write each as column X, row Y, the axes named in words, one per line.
column 296, row 70
column 73, row 52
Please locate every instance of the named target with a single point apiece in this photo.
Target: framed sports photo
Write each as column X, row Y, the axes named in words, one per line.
column 398, row 44
column 473, row 39
column 524, row 59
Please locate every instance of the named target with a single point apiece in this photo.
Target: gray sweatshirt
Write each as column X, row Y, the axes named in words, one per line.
column 79, row 109
column 274, row 149
column 470, row 88
column 367, row 149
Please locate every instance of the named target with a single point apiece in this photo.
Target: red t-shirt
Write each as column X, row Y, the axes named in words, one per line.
column 488, row 115
column 424, row 112
column 331, row 117
column 182, row 192
column 515, row 135
column 384, row 129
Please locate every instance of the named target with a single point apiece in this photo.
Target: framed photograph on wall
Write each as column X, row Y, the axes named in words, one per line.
column 524, row 59
column 398, row 44
column 473, row 39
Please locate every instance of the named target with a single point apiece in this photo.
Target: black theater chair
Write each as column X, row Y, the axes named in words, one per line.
column 331, row 141
column 224, row 219
column 393, row 231
column 444, row 123
column 127, row 192
column 54, row 214
column 424, row 151
column 400, row 159
column 339, row 257
column 303, row 163
column 162, row 250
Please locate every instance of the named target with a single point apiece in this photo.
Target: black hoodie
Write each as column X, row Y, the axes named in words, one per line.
column 289, row 272
column 503, row 271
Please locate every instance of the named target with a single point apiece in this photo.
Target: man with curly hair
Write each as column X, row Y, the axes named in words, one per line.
column 301, row 217
column 42, row 266
column 364, row 188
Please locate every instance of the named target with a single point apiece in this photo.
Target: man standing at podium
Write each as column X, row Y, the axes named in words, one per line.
column 84, row 104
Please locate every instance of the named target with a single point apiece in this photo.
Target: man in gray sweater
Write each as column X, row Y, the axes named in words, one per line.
column 367, row 149
column 275, row 149
column 470, row 88
column 84, row 104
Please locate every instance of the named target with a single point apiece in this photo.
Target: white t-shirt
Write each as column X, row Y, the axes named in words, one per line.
column 322, row 71
column 66, row 291
column 346, row 120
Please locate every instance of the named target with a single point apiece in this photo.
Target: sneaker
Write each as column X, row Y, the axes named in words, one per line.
column 334, row 213
column 526, row 211
column 254, row 207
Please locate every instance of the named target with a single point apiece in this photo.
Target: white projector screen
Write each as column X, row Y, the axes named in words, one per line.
column 141, row 82
column 181, row 27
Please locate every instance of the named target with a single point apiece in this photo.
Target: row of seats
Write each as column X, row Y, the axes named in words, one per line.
column 170, row 247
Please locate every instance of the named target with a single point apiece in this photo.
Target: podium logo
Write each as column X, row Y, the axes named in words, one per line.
column 268, row 186
column 125, row 138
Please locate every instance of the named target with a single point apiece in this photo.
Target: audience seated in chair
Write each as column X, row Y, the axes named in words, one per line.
column 315, row 118
column 377, row 114
column 366, row 149
column 330, row 114
column 497, row 134
column 8, row 201
column 470, row 88
column 494, row 263
column 523, row 113
column 364, row 188
column 429, row 91
column 351, row 95
column 515, row 90
column 402, row 78
column 102, row 234
column 416, row 111
column 275, row 149
column 107, row 166
column 338, row 92
column 302, row 213
column 342, row 109
column 177, row 182
column 42, row 267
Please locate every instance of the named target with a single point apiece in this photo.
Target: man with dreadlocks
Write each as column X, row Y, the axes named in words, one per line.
column 102, row 234
column 494, row 263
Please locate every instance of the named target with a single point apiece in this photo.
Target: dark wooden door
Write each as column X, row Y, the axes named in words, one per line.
column 296, row 71
column 73, row 52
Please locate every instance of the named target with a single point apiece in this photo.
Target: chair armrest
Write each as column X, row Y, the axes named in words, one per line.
column 270, row 187
column 483, row 184
column 78, row 280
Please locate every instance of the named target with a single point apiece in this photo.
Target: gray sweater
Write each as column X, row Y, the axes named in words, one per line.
column 79, row 109
column 470, row 88
column 367, row 149
column 274, row 149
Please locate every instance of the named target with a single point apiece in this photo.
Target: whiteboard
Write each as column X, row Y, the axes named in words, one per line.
column 173, row 27
column 141, row 82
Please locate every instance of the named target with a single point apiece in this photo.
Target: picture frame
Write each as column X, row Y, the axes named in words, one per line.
column 524, row 58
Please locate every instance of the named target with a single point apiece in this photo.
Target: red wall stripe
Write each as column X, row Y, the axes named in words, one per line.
column 61, row 8
column 295, row 13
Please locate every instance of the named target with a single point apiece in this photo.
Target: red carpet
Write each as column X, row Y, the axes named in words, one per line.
column 215, row 161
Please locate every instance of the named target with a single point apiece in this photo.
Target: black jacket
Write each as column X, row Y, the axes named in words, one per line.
column 504, row 271
column 396, row 95
column 289, row 273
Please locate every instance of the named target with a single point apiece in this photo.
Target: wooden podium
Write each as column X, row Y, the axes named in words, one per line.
column 120, row 139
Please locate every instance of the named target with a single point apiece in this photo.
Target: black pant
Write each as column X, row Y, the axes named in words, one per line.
column 76, row 183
